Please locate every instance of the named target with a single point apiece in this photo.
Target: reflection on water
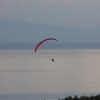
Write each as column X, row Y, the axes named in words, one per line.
column 26, row 72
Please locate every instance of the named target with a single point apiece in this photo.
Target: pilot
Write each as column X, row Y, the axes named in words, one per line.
column 53, row 59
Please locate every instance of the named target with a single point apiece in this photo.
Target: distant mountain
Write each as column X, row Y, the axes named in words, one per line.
column 25, row 32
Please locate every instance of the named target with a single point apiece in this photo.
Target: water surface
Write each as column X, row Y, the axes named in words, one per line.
column 24, row 73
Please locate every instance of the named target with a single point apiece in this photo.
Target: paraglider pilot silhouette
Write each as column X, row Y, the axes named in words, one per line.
column 53, row 59
column 43, row 42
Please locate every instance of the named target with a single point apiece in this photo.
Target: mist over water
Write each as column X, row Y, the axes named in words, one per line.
column 30, row 75
column 50, row 45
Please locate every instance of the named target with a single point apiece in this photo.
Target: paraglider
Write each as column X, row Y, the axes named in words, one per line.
column 37, row 46
column 43, row 42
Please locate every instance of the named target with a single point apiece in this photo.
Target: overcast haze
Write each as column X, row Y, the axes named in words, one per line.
column 84, row 14
column 70, row 14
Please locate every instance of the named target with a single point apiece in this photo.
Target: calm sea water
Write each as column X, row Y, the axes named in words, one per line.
column 28, row 75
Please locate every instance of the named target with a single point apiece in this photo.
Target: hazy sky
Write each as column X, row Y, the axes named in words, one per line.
column 80, row 14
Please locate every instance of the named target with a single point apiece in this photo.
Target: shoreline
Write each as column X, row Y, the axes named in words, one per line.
column 45, row 96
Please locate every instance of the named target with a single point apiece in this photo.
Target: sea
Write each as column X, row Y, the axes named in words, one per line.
column 26, row 75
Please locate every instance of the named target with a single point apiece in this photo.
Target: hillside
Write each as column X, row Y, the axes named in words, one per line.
column 25, row 32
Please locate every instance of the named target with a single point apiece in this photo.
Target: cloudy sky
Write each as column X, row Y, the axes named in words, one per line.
column 73, row 14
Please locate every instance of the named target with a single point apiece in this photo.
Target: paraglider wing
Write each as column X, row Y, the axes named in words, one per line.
column 42, row 42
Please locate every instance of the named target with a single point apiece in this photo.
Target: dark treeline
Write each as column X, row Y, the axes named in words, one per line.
column 97, row 97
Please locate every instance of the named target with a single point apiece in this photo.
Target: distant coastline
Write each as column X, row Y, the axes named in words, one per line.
column 47, row 96
column 50, row 46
